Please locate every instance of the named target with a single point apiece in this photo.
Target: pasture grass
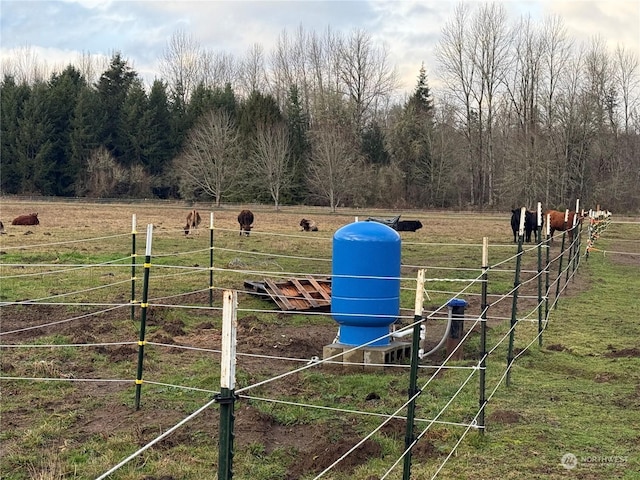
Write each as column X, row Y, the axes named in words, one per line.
column 578, row 393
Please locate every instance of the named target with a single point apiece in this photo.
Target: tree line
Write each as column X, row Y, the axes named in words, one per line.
column 523, row 114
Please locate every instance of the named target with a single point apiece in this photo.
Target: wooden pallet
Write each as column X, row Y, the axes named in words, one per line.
column 296, row 294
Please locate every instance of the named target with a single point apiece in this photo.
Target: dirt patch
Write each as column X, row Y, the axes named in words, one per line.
column 556, row 347
column 625, row 352
column 328, row 452
column 505, row 417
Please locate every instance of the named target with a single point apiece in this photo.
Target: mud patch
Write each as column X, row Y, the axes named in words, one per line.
column 505, row 417
column 328, row 452
column 625, row 352
column 558, row 348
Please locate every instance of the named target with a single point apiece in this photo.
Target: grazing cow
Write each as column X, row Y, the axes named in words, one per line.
column 193, row 221
column 30, row 219
column 530, row 224
column 2, row 232
column 245, row 219
column 308, row 225
column 407, row 225
column 556, row 222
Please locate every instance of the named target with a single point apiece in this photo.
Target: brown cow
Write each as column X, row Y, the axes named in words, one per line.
column 245, row 219
column 30, row 219
column 193, row 221
column 556, row 222
column 308, row 225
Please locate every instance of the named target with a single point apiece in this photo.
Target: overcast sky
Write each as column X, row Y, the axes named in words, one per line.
column 58, row 31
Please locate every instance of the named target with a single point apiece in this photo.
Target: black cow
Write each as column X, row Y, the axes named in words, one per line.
column 245, row 219
column 408, row 225
column 308, row 225
column 530, row 224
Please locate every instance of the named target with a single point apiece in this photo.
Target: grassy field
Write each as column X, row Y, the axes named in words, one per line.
column 576, row 397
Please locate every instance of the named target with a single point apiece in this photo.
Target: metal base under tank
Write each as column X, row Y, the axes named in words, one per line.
column 367, row 358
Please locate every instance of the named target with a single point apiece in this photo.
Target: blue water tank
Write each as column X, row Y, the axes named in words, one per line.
column 365, row 286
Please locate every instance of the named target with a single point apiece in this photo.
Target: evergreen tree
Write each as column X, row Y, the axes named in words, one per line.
column 421, row 98
column 135, row 126
column 373, row 145
column 161, row 148
column 258, row 109
column 12, row 101
column 113, row 88
column 34, row 145
column 64, row 91
column 300, row 148
column 410, row 144
column 85, row 137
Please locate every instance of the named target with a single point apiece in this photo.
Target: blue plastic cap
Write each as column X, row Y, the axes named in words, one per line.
column 457, row 302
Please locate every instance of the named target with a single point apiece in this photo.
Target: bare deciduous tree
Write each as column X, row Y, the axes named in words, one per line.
column 459, row 72
column 492, row 38
column 367, row 78
column 180, row 64
column 334, row 161
column 209, row 162
column 253, row 76
column 628, row 83
column 270, row 160
column 24, row 66
column 218, row 69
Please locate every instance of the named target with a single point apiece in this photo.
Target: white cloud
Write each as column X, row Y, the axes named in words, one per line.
column 60, row 30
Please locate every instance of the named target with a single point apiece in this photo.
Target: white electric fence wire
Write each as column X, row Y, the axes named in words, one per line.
column 350, row 411
column 302, row 360
column 86, row 315
column 93, row 380
column 68, row 242
column 157, row 439
column 430, row 423
column 182, row 387
column 182, row 254
column 455, row 447
column 419, row 392
column 54, row 345
column 68, row 294
column 69, row 267
column 308, row 366
column 177, row 295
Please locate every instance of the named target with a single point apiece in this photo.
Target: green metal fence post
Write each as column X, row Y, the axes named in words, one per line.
column 413, row 391
column 211, row 260
column 483, row 333
column 540, row 297
column 514, row 305
column 547, row 267
column 143, row 315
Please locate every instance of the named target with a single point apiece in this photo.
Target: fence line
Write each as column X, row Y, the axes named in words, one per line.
column 568, row 270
